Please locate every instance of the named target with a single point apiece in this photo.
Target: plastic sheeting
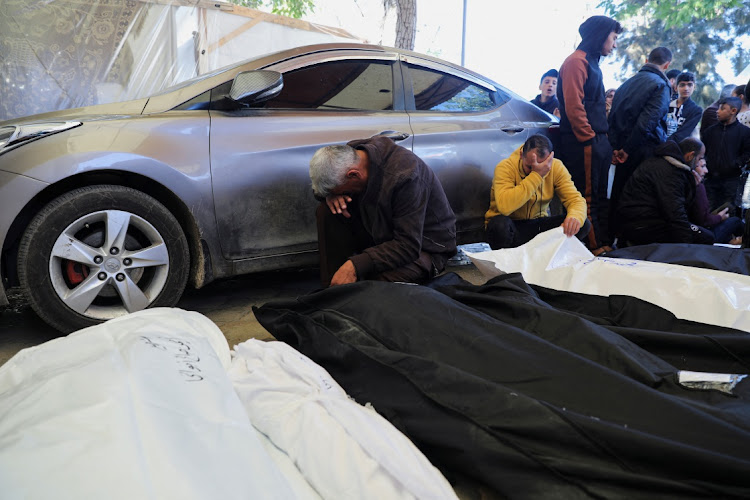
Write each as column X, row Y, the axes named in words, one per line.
column 60, row 54
column 307, row 414
column 554, row 261
column 139, row 407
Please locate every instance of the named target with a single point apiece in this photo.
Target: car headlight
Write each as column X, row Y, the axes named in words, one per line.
column 13, row 136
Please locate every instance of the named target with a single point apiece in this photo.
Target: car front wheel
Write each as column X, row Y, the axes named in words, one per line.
column 99, row 252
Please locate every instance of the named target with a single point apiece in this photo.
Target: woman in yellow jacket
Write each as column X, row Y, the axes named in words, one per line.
column 522, row 188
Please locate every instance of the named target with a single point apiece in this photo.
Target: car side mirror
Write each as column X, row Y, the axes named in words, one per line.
column 250, row 87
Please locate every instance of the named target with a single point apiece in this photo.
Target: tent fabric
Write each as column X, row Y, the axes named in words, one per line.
column 139, row 407
column 554, row 261
column 719, row 258
column 66, row 54
column 344, row 449
column 533, row 400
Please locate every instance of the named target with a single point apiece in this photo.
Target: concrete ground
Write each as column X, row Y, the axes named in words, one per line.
column 228, row 303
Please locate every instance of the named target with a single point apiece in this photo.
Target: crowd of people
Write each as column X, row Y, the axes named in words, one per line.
column 384, row 214
column 671, row 182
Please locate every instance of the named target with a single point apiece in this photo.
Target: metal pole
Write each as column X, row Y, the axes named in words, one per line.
column 463, row 37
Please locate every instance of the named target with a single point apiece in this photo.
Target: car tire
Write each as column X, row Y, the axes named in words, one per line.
column 99, row 252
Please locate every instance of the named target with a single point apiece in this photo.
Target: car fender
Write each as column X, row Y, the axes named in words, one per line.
column 149, row 148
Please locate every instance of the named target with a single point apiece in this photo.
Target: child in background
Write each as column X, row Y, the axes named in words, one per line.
column 608, row 98
column 547, row 100
column 727, row 152
column 684, row 114
column 743, row 116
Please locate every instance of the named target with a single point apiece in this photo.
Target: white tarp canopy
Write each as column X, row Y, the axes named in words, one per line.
column 60, row 54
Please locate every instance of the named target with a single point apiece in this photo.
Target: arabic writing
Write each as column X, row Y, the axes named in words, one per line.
column 183, row 353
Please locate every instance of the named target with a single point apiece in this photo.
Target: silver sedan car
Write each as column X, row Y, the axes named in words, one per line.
column 110, row 209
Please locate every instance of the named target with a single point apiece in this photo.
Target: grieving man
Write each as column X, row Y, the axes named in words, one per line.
column 384, row 214
column 522, row 188
column 655, row 202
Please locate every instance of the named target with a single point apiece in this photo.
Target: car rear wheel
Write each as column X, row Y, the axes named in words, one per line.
column 99, row 252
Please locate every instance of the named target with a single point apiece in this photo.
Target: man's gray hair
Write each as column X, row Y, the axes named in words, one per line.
column 328, row 167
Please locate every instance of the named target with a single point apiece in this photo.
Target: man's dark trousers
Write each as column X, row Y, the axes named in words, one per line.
column 588, row 163
column 340, row 237
column 504, row 232
column 623, row 171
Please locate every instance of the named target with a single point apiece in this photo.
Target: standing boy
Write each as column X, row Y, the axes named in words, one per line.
column 672, row 75
column 684, row 114
column 584, row 147
column 727, row 151
column 547, row 100
column 709, row 115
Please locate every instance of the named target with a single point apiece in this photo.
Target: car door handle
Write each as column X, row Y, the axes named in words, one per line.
column 396, row 136
column 512, row 130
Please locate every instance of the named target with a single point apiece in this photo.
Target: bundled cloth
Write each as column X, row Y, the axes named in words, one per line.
column 711, row 293
column 137, row 407
column 343, row 449
column 143, row 407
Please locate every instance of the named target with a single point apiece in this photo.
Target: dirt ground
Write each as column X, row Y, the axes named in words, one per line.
column 228, row 303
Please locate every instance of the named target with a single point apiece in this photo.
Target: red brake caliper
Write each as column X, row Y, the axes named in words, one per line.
column 75, row 272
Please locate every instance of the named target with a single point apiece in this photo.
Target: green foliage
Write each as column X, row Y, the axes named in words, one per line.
column 696, row 31
column 290, row 8
column 674, row 13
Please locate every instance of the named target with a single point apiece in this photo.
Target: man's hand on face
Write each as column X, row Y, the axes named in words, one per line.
column 346, row 274
column 542, row 167
column 571, row 226
column 697, row 177
column 337, row 204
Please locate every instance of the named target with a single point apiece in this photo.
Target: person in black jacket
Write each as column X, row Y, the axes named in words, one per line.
column 636, row 122
column 654, row 205
column 684, row 114
column 727, row 151
column 709, row 115
column 384, row 214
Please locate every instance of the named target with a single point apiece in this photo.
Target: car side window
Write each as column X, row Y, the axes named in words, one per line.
column 337, row 85
column 438, row 91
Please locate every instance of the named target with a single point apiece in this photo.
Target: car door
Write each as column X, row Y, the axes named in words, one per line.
column 463, row 126
column 260, row 157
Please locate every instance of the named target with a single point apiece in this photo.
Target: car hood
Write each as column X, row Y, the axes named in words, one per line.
column 87, row 113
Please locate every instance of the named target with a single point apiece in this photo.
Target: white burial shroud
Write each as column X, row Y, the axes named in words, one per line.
column 139, row 407
column 344, row 450
column 555, row 261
